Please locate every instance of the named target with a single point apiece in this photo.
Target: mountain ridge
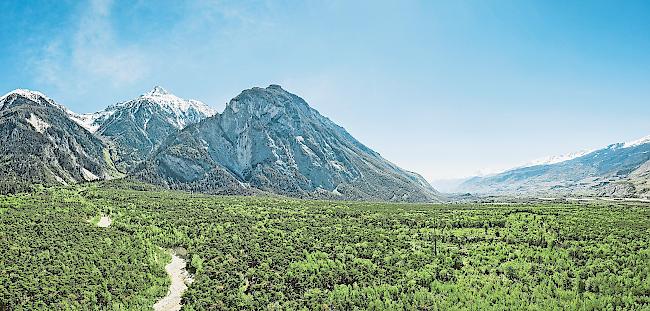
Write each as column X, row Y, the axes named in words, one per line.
column 138, row 126
column 615, row 170
column 40, row 143
column 272, row 140
column 158, row 95
column 266, row 140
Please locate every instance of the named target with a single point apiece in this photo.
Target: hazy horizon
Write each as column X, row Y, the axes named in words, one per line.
column 445, row 89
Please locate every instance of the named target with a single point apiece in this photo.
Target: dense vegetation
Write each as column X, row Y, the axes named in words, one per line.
column 283, row 254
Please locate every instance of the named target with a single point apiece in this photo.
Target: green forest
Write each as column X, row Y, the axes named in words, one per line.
column 274, row 253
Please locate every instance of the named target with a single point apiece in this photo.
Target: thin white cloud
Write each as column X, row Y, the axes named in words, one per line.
column 48, row 65
column 94, row 56
column 96, row 50
column 90, row 54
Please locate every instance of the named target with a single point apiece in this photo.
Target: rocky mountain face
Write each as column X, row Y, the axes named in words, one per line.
column 270, row 140
column 40, row 143
column 619, row 170
column 137, row 127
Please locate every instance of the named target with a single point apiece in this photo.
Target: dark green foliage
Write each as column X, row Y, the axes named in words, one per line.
column 284, row 254
column 53, row 258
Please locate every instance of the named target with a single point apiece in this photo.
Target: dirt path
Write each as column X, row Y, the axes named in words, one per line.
column 104, row 222
column 180, row 278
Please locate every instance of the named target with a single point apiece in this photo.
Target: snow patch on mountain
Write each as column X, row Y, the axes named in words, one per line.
column 176, row 104
column 91, row 121
column 34, row 96
column 558, row 158
column 29, row 94
column 88, row 175
column 60, row 180
column 85, row 120
column 637, row 142
column 37, row 123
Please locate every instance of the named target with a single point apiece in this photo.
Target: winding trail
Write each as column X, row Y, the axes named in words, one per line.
column 180, row 279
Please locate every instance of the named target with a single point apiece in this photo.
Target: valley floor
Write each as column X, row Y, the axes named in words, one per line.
column 253, row 253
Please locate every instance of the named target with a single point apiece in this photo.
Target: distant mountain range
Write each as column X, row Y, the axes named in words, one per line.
column 267, row 140
column 618, row 170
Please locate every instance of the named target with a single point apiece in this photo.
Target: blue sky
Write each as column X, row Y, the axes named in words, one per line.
column 444, row 88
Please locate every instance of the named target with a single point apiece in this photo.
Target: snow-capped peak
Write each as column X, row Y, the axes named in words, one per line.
column 558, row 158
column 85, row 120
column 174, row 103
column 157, row 91
column 89, row 120
column 33, row 96
column 637, row 142
column 574, row 155
column 29, row 94
column 180, row 112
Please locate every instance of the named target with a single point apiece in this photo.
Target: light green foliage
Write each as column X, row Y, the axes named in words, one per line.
column 197, row 263
column 283, row 254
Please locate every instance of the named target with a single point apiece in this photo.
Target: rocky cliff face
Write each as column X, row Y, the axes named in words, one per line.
column 40, row 143
column 268, row 139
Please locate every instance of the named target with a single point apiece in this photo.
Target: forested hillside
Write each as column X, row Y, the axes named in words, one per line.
column 255, row 253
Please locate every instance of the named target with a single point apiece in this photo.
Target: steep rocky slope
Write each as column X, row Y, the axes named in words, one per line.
column 268, row 139
column 40, row 143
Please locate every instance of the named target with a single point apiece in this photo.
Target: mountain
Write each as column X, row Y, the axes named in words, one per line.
column 270, row 140
column 137, row 127
column 41, row 143
column 619, row 170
